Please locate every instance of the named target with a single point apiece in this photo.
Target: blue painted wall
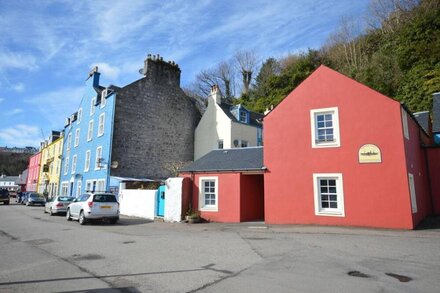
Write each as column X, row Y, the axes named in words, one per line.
column 93, row 175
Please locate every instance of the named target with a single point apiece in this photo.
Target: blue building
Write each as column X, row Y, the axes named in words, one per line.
column 130, row 133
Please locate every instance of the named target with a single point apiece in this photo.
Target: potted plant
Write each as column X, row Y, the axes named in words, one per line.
column 193, row 217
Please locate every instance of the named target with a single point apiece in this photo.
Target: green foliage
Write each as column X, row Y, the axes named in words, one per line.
column 13, row 164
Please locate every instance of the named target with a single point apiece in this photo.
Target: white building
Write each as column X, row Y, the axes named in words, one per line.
column 9, row 182
column 226, row 126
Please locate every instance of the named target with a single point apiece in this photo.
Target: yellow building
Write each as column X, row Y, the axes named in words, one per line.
column 50, row 166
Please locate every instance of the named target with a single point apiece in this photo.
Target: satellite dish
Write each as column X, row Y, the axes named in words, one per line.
column 114, row 164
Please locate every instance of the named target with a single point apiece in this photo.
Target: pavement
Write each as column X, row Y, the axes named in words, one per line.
column 40, row 253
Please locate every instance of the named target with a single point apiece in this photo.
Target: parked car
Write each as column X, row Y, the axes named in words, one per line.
column 4, row 196
column 34, row 198
column 57, row 204
column 91, row 206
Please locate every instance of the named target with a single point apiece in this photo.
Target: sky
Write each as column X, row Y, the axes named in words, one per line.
column 47, row 48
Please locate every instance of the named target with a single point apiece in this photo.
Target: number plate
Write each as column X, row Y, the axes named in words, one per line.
column 105, row 207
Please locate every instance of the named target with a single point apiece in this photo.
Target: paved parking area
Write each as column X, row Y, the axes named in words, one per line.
column 40, row 253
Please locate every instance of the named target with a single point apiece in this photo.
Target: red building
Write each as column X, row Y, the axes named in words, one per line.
column 33, row 172
column 340, row 153
column 227, row 185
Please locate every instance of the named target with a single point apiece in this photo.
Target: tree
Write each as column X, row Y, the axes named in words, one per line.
column 246, row 63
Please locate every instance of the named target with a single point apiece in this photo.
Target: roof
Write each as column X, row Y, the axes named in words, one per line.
column 254, row 118
column 22, row 180
column 436, row 112
column 423, row 120
column 237, row 159
column 9, row 178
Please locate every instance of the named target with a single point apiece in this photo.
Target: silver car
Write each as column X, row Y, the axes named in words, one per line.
column 91, row 206
column 57, row 204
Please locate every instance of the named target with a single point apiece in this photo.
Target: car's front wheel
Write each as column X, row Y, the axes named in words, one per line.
column 68, row 217
column 81, row 219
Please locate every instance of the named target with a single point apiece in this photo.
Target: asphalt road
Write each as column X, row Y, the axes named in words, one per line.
column 40, row 253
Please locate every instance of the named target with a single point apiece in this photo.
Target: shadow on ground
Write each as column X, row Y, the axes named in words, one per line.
column 428, row 223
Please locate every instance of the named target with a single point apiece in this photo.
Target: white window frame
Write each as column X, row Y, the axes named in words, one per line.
column 66, row 165
column 74, row 160
column 98, row 183
column 335, row 121
column 244, row 142
column 89, row 185
column 103, row 98
column 77, row 134
column 202, row 206
column 92, row 106
column 64, row 187
column 79, row 117
column 69, row 141
column 98, row 155
column 412, row 190
column 405, row 124
column 101, row 124
column 221, row 143
column 78, row 187
column 87, row 161
column 319, row 210
column 90, row 131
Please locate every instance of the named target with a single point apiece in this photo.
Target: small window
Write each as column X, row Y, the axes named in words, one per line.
column 325, row 127
column 78, row 187
column 90, row 131
column 87, row 162
column 103, row 98
column 220, row 144
column 66, row 165
column 64, row 188
column 101, row 124
column 412, row 190
column 80, row 111
column 92, row 106
column 88, row 186
column 74, row 158
column 329, row 195
column 100, row 186
column 244, row 144
column 69, row 141
column 98, row 160
column 243, row 116
column 405, row 124
column 208, row 199
column 77, row 137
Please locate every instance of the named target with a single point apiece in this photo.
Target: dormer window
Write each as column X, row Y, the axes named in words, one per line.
column 243, row 116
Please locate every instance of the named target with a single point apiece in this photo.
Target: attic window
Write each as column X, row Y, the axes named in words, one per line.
column 243, row 116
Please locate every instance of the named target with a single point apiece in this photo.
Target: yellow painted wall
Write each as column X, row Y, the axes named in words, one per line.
column 51, row 156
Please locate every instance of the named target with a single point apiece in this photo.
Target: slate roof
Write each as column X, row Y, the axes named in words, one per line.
column 237, row 159
column 423, row 120
column 9, row 178
column 436, row 112
column 254, row 118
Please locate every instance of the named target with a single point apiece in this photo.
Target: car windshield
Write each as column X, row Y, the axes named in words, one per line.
column 104, row 198
column 65, row 198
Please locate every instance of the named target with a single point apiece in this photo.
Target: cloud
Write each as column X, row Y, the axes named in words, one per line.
column 14, row 111
column 18, row 87
column 21, row 135
column 110, row 72
column 9, row 60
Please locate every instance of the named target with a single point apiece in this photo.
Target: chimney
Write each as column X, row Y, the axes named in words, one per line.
column 215, row 94
column 94, row 74
column 158, row 71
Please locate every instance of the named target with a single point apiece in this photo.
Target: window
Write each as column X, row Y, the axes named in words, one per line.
column 90, row 131
column 69, row 141
column 329, row 195
column 64, row 188
column 80, row 113
column 101, row 186
column 243, row 116
column 92, row 106
column 412, row 190
column 98, row 158
column 405, row 124
column 78, row 188
column 88, row 185
column 87, row 162
column 103, row 98
column 66, row 165
column 244, row 144
column 208, row 193
column 101, row 124
column 76, row 137
column 325, row 127
column 220, row 144
column 74, row 163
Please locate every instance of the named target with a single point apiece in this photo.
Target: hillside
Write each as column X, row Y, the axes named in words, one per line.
column 12, row 164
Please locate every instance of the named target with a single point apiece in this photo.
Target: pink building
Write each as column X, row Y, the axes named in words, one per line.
column 33, row 172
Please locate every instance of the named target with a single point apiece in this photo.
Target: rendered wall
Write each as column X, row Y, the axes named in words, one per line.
column 173, row 200
column 434, row 171
column 33, row 173
column 138, row 203
column 252, row 197
column 376, row 194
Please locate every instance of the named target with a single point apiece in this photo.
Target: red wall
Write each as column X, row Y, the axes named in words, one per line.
column 434, row 170
column 33, row 173
column 375, row 195
column 252, row 197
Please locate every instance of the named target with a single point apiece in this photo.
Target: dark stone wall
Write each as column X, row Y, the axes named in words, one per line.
column 154, row 124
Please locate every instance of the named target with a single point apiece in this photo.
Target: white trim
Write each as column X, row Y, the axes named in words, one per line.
column 97, row 164
column 78, row 187
column 74, row 161
column 104, row 94
column 66, row 165
column 90, row 131
column 412, row 190
column 202, row 207
column 79, row 117
column 64, row 184
column 101, row 124
column 87, row 162
column 69, row 142
column 405, row 123
column 98, row 183
column 92, row 106
column 77, row 135
column 336, row 212
column 335, row 115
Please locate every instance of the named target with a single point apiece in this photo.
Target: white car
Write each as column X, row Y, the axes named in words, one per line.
column 93, row 206
column 57, row 204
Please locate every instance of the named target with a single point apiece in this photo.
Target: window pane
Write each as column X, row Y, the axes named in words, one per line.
column 320, row 118
column 332, row 182
column 333, row 197
column 333, row 205
column 325, row 204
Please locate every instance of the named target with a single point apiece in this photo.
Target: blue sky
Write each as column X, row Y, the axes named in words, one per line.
column 47, row 48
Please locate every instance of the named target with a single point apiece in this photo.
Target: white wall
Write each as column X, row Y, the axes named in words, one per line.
column 137, row 203
column 246, row 132
column 173, row 200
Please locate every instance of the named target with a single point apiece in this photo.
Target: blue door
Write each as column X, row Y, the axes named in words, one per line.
column 160, row 201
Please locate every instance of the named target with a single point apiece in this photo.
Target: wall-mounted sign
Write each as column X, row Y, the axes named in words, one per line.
column 370, row 153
